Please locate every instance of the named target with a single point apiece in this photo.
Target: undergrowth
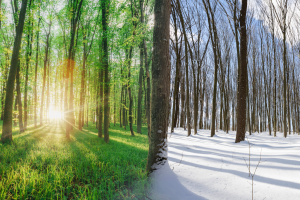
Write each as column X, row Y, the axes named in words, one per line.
column 42, row 164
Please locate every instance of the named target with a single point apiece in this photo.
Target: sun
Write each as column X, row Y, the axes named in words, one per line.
column 53, row 114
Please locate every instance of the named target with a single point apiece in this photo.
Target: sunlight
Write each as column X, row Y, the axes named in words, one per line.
column 53, row 114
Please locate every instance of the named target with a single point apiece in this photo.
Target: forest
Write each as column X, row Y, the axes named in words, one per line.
column 123, row 99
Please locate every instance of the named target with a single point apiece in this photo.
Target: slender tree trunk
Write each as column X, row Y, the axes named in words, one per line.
column 148, row 87
column 21, row 126
column 105, row 9
column 100, row 104
column 121, row 99
column 214, row 36
column 186, row 70
column 28, row 56
column 44, row 79
column 129, row 92
column 182, row 94
column 81, row 108
column 35, row 74
column 48, row 91
column 177, row 70
column 88, row 100
column 115, row 106
column 139, row 111
column 69, row 113
column 16, row 110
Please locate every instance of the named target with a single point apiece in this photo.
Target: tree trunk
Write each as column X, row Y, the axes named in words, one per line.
column 16, row 110
column 177, row 70
column 100, row 104
column 242, row 90
column 35, row 74
column 20, row 116
column 28, row 57
column 105, row 8
column 81, row 108
column 44, row 81
column 160, row 85
column 7, row 121
column 187, row 102
column 139, row 111
column 129, row 92
column 148, row 90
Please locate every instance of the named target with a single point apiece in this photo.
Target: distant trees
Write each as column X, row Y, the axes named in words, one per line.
column 247, row 79
column 225, row 65
column 68, row 84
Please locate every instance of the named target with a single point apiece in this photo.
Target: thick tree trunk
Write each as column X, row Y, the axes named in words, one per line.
column 160, row 85
column 7, row 121
column 242, row 90
column 4, row 85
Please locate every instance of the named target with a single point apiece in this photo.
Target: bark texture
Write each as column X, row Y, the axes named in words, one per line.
column 7, row 120
column 160, row 85
column 243, row 77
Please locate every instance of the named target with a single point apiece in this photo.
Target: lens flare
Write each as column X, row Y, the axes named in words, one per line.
column 53, row 114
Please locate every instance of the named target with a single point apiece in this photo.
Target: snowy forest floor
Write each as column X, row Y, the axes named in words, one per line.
column 204, row 167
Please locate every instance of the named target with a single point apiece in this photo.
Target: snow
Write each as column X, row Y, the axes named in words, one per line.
column 204, row 167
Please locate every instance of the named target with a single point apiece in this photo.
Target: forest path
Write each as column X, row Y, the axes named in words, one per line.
column 215, row 167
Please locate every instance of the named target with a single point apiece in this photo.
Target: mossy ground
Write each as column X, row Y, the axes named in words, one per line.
column 42, row 164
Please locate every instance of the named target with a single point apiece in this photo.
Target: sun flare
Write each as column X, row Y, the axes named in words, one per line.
column 53, row 114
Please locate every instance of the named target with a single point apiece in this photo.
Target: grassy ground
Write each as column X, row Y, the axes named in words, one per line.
column 42, row 164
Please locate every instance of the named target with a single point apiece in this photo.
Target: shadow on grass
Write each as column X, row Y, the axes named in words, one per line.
column 84, row 167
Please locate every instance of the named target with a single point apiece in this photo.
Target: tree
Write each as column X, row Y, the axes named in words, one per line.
column 46, row 59
column 7, row 121
column 160, row 85
column 243, row 77
column 105, row 9
column 75, row 8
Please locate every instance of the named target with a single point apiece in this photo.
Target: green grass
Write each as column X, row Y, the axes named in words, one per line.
column 42, row 164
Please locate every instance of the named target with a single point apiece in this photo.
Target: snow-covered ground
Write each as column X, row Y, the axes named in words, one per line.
column 204, row 167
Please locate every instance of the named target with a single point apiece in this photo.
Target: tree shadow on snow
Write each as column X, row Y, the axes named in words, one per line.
column 166, row 186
